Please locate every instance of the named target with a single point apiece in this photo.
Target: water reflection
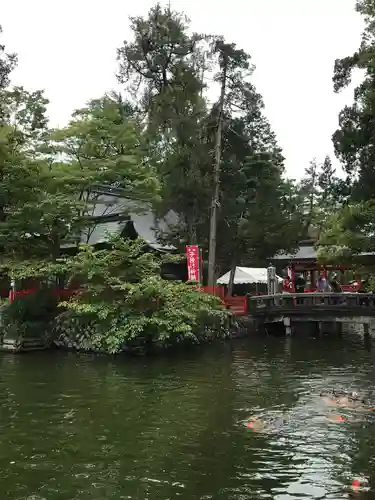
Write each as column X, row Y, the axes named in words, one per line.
column 96, row 428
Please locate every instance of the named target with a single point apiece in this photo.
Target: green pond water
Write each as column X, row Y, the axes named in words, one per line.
column 81, row 427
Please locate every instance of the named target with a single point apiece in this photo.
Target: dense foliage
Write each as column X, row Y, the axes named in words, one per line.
column 171, row 69
column 349, row 231
column 165, row 147
column 157, row 146
column 123, row 302
column 30, row 317
column 7, row 64
column 50, row 177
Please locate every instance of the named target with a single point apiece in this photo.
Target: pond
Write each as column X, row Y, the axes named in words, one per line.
column 78, row 427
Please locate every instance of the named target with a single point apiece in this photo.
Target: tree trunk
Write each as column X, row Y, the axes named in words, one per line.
column 231, row 279
column 216, row 193
column 192, row 230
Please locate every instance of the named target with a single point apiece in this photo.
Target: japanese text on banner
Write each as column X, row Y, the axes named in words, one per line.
column 192, row 253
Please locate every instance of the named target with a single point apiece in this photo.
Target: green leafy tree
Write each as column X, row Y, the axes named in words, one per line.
column 167, row 65
column 104, row 143
column 354, row 140
column 233, row 66
column 7, row 63
column 161, row 64
column 23, row 126
column 258, row 216
column 124, row 302
column 326, row 180
column 333, row 192
column 349, row 231
column 50, row 205
column 309, row 188
column 103, row 146
column 255, row 213
column 164, row 63
column 321, row 194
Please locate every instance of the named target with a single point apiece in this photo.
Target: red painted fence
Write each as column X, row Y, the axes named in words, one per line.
column 350, row 288
column 237, row 305
column 22, row 293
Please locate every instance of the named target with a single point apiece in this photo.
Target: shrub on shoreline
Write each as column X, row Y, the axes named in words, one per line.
column 122, row 303
column 125, row 301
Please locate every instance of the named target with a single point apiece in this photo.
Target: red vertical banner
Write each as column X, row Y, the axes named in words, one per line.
column 200, row 265
column 12, row 290
column 193, row 264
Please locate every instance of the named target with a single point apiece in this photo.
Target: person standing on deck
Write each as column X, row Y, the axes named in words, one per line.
column 300, row 287
column 287, row 285
column 322, row 285
column 335, row 285
column 300, row 284
column 336, row 288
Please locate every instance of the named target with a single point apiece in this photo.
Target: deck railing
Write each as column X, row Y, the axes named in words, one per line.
column 237, row 305
column 310, row 301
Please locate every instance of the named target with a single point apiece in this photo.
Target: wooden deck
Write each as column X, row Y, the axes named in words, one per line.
column 314, row 308
column 349, row 304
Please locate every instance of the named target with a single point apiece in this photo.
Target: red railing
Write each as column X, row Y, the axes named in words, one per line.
column 349, row 288
column 20, row 293
column 237, row 305
column 23, row 293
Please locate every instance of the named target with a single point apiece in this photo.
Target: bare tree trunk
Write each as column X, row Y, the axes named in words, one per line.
column 192, row 230
column 216, row 193
column 231, row 278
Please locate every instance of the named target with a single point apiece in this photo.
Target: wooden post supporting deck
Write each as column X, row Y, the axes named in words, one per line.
column 288, row 326
column 325, row 312
column 366, row 331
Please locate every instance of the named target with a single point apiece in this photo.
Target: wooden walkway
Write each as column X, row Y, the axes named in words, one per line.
column 299, row 302
column 313, row 305
column 321, row 310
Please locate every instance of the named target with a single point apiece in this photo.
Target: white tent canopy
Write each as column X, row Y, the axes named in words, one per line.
column 246, row 275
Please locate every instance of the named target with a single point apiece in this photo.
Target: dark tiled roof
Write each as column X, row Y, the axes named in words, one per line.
column 116, row 212
column 303, row 253
column 307, row 252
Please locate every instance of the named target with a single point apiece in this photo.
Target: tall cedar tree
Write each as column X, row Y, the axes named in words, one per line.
column 351, row 230
column 167, row 65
